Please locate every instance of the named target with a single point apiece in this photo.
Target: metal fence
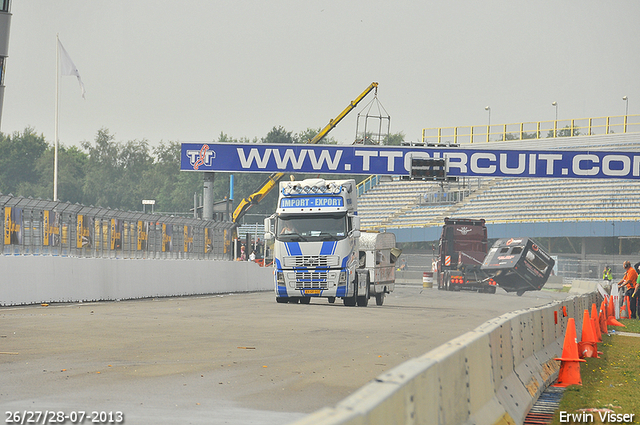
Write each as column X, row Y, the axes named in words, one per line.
column 43, row 227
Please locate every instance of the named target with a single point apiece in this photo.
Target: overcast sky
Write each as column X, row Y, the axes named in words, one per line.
column 188, row 70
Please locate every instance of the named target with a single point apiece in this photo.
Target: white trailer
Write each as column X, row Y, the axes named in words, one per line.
column 378, row 255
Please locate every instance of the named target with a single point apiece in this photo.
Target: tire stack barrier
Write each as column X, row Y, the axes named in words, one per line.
column 491, row 375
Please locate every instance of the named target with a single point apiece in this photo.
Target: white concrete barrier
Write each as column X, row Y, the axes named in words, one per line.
column 29, row 280
column 583, row 286
column 491, row 375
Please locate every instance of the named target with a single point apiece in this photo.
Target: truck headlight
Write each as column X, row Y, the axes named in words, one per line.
column 343, row 278
column 280, row 278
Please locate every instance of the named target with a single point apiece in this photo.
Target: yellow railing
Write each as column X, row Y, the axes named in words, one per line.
column 367, row 184
column 532, row 130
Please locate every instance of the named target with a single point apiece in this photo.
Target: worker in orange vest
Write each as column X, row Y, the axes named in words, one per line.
column 629, row 283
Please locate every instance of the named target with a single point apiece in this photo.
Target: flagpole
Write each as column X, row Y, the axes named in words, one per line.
column 55, row 148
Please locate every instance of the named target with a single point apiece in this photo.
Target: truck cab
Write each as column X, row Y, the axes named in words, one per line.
column 316, row 231
column 461, row 252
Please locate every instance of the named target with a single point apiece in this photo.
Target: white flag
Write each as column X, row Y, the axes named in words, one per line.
column 67, row 67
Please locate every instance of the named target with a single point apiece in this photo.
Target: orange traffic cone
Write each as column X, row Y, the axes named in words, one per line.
column 588, row 346
column 596, row 319
column 611, row 321
column 570, row 367
column 611, row 317
column 624, row 311
column 610, row 308
column 596, row 330
column 603, row 323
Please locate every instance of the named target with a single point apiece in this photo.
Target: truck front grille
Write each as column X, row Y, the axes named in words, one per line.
column 311, row 261
column 311, row 277
column 311, row 280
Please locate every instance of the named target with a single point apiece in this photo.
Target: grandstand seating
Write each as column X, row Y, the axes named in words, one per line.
column 396, row 204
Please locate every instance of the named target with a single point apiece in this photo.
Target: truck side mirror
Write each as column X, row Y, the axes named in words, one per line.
column 267, row 229
column 395, row 253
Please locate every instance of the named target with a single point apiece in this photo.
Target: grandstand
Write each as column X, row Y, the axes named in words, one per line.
column 560, row 204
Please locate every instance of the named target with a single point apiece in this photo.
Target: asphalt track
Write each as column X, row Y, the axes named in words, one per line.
column 224, row 359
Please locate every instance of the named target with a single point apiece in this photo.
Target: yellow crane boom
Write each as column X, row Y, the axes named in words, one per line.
column 274, row 178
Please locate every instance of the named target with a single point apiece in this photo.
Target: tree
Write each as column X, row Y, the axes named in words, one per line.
column 525, row 135
column 393, row 139
column 114, row 171
column 171, row 188
column 20, row 154
column 71, row 175
column 278, row 135
column 564, row 132
column 307, row 135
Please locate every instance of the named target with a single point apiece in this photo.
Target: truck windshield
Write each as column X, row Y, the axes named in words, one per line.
column 311, row 227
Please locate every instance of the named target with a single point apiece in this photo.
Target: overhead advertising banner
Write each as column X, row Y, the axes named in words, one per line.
column 396, row 160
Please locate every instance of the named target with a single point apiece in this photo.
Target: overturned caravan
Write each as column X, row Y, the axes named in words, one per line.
column 518, row 265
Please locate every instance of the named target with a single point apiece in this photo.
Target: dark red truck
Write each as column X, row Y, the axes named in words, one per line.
column 461, row 252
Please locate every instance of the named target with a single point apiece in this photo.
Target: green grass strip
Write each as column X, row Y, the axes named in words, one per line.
column 610, row 384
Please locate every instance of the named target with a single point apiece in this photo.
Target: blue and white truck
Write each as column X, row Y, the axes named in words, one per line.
column 316, row 251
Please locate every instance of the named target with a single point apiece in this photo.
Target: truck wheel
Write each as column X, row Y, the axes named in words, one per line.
column 331, row 300
column 520, row 293
column 380, row 298
column 363, row 301
column 351, row 301
column 491, row 290
column 305, row 300
column 282, row 300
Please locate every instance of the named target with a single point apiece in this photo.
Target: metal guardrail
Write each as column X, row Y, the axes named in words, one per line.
column 532, row 130
column 42, row 227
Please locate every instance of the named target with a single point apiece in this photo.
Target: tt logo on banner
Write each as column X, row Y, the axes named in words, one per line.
column 203, row 157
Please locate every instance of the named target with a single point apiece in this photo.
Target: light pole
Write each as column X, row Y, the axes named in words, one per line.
column 555, row 123
column 626, row 111
column 488, row 108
